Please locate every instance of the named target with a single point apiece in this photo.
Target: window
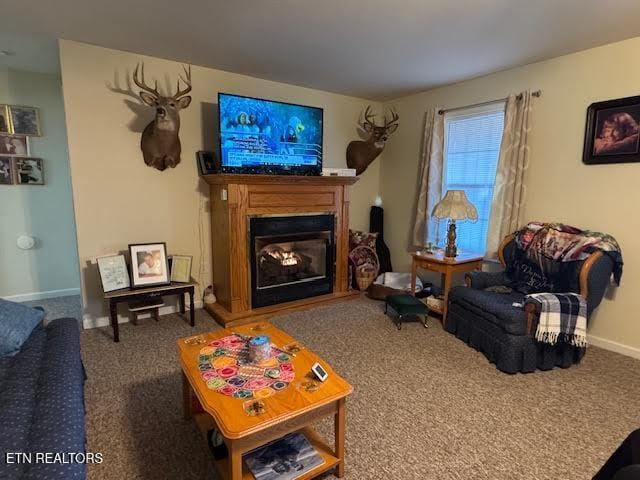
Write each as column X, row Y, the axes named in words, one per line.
column 471, row 148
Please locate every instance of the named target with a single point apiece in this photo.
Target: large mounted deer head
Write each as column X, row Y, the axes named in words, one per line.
column 160, row 143
column 360, row 154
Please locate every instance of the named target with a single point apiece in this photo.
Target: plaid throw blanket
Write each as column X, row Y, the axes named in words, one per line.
column 563, row 318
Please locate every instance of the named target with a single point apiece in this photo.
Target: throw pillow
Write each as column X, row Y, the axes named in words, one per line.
column 16, row 324
column 357, row 239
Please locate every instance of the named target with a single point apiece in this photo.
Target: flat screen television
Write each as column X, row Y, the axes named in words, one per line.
column 268, row 137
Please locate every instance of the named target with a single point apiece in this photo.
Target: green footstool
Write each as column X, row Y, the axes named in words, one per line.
column 405, row 305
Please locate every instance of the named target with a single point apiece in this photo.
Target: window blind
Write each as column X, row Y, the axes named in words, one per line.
column 472, row 146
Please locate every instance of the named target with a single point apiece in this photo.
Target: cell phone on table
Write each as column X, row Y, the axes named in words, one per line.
column 319, row 372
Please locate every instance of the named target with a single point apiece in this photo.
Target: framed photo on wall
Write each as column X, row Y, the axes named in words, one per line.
column 15, row 145
column 149, row 265
column 612, row 132
column 24, row 120
column 7, row 176
column 181, row 268
column 114, row 274
column 29, row 171
column 5, row 122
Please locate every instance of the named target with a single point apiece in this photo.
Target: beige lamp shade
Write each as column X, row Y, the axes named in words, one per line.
column 455, row 206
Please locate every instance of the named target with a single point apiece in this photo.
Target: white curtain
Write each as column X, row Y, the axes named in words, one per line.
column 429, row 188
column 509, row 193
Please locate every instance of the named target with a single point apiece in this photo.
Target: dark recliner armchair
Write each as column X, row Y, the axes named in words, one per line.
column 624, row 463
column 489, row 322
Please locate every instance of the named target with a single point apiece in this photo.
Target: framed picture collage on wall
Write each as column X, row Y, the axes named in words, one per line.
column 17, row 166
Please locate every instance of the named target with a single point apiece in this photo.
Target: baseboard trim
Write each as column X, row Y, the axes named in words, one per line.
column 614, row 346
column 28, row 297
column 95, row 322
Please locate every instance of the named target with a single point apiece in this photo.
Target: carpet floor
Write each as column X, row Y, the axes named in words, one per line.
column 60, row 307
column 425, row 405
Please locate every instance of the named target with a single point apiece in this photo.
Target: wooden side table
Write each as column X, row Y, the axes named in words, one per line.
column 131, row 294
column 446, row 266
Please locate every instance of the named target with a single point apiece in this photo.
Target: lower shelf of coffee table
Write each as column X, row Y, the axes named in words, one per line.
column 206, row 423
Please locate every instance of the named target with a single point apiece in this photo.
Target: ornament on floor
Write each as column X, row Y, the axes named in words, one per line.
column 360, row 154
column 209, row 295
column 160, row 143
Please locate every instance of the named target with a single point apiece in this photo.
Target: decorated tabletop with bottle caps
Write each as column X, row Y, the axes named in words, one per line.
column 226, row 369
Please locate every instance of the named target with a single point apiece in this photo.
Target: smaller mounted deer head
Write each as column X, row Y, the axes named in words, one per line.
column 360, row 154
column 160, row 143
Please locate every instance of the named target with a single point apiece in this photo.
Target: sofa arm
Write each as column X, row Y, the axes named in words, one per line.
column 480, row 280
column 595, row 277
column 630, row 472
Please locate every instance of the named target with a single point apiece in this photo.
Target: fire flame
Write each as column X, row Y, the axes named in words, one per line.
column 286, row 258
column 289, row 259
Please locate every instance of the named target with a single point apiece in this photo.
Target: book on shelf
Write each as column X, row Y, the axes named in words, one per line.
column 284, row 459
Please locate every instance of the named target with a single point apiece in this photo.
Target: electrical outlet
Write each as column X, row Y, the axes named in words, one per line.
column 223, row 194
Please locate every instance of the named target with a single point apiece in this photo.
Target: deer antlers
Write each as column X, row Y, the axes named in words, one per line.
column 142, row 84
column 138, row 79
column 369, row 122
column 394, row 118
column 187, row 81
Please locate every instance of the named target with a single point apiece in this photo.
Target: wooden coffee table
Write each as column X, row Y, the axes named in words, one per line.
column 290, row 410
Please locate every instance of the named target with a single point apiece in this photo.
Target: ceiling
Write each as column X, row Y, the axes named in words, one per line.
column 376, row 49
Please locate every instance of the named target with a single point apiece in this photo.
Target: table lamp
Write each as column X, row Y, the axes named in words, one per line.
column 454, row 206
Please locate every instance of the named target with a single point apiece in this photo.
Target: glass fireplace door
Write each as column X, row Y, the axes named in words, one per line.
column 291, row 258
column 290, row 261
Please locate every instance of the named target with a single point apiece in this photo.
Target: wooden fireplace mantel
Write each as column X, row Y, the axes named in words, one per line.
column 234, row 179
column 237, row 198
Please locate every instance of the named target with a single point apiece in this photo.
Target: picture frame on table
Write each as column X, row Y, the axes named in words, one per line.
column 29, row 170
column 14, row 145
column 25, row 120
column 181, row 268
column 612, row 132
column 208, row 163
column 7, row 171
column 5, row 121
column 114, row 274
column 149, row 265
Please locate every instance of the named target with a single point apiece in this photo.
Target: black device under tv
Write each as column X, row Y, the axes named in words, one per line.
column 208, row 162
column 259, row 136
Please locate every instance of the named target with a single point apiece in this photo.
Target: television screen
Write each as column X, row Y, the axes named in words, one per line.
column 263, row 136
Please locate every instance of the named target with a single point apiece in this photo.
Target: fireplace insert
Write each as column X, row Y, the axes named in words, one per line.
column 291, row 258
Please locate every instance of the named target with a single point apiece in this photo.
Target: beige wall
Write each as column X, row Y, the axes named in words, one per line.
column 119, row 200
column 4, row 82
column 45, row 212
column 559, row 186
